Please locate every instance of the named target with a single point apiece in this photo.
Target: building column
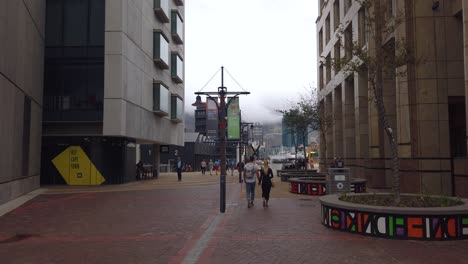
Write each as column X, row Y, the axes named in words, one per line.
column 389, row 99
column 156, row 158
column 349, row 128
column 361, row 118
column 323, row 142
column 337, row 122
column 331, row 127
column 461, row 165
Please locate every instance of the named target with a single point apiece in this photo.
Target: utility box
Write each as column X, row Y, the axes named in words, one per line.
column 339, row 180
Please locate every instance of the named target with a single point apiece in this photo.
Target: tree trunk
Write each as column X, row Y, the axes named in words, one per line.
column 305, row 151
column 377, row 86
column 325, row 150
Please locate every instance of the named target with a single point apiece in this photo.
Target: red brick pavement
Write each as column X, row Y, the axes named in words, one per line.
column 164, row 226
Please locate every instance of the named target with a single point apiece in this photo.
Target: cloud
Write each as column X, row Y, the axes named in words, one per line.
column 267, row 45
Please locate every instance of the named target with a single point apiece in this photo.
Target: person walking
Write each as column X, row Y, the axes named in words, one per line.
column 203, row 167
column 216, row 166
column 240, row 169
column 210, row 166
column 179, row 169
column 266, row 174
column 250, row 172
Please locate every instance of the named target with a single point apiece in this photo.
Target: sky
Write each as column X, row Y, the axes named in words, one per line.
column 267, row 46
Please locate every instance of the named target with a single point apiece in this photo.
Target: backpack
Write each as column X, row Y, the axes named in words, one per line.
column 249, row 171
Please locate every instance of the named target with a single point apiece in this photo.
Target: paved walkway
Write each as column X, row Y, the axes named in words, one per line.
column 165, row 221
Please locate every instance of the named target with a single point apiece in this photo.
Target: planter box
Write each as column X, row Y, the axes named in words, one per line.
column 432, row 223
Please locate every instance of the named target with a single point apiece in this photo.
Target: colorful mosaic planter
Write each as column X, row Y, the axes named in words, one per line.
column 435, row 223
column 319, row 187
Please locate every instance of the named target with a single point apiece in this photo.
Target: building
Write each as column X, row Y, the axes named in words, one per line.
column 200, row 119
column 114, row 79
column 82, row 84
column 426, row 106
column 22, row 33
column 257, row 134
column 197, row 148
column 289, row 138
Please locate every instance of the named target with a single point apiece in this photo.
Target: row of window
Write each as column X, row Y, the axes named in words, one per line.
column 165, row 103
column 325, row 70
column 336, row 22
column 162, row 12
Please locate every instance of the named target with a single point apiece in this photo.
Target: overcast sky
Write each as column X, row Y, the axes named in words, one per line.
column 268, row 46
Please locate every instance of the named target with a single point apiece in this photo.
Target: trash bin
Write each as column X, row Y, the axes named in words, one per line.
column 339, row 180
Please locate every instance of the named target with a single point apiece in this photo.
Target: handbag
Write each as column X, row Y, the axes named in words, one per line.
column 272, row 184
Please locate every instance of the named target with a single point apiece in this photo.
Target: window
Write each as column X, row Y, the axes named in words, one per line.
column 337, row 56
column 390, row 9
column 328, row 73
column 74, row 60
column 179, row 2
column 161, row 9
column 177, row 27
column 348, row 42
column 160, row 99
column 336, row 13
column 177, row 109
column 321, row 77
column 160, row 50
column 328, row 30
column 177, row 68
column 320, row 41
column 362, row 27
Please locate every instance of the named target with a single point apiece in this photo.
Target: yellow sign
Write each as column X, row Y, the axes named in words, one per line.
column 76, row 168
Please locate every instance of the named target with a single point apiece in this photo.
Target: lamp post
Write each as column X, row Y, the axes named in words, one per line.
column 222, row 111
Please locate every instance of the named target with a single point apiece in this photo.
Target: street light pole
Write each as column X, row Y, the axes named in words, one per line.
column 222, row 111
column 222, row 141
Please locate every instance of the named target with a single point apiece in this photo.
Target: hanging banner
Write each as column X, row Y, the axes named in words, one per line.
column 211, row 117
column 233, row 119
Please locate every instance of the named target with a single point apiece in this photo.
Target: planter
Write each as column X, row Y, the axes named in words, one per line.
column 431, row 223
column 318, row 186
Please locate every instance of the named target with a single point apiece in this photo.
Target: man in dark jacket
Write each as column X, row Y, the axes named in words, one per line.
column 240, row 169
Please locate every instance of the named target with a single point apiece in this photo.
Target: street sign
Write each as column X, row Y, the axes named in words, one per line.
column 76, row 168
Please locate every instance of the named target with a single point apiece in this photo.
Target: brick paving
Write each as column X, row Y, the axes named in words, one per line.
column 163, row 221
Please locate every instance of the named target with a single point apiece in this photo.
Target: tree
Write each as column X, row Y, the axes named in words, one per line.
column 376, row 59
column 304, row 116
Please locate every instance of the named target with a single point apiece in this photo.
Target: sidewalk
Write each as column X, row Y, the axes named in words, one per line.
column 165, row 221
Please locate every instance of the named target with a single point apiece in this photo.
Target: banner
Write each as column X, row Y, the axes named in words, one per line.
column 211, row 117
column 233, row 119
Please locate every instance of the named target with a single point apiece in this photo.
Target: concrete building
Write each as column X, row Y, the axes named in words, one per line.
column 114, row 79
column 21, row 78
column 82, row 84
column 426, row 106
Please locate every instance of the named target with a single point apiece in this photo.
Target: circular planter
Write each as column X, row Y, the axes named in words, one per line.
column 430, row 223
column 311, row 186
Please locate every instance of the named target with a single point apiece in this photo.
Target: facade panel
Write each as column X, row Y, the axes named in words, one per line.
column 21, row 74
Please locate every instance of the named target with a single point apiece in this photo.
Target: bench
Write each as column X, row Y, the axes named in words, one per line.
column 146, row 172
